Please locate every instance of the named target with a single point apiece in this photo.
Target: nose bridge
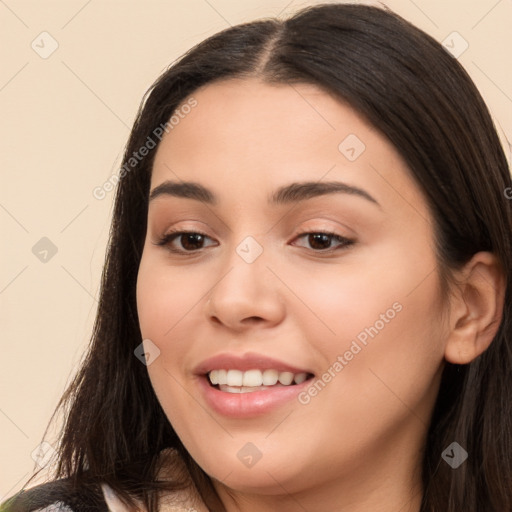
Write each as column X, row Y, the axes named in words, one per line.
column 246, row 267
column 250, row 250
column 247, row 289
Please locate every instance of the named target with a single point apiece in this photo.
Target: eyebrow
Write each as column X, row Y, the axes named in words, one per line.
column 292, row 193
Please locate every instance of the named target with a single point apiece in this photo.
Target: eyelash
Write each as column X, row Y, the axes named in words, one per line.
column 169, row 237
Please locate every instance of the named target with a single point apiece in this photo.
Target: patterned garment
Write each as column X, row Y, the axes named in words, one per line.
column 58, row 496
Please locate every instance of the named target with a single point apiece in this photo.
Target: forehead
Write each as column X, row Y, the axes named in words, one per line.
column 288, row 122
column 261, row 136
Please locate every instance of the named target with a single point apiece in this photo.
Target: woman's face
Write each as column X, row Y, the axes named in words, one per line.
column 260, row 293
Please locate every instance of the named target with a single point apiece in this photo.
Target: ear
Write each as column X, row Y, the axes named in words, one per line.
column 476, row 308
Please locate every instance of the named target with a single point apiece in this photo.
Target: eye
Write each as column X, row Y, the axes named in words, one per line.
column 190, row 241
column 321, row 241
column 193, row 241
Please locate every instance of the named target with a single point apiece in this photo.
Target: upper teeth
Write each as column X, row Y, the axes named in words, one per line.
column 253, row 378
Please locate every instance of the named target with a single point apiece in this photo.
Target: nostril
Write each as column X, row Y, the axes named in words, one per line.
column 252, row 320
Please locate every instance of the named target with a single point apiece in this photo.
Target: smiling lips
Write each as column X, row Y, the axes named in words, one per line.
column 237, row 381
column 249, row 374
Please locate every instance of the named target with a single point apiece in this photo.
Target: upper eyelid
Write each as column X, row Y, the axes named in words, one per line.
column 330, row 229
column 326, row 231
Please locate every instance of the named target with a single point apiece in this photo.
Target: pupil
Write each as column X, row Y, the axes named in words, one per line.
column 191, row 241
column 319, row 241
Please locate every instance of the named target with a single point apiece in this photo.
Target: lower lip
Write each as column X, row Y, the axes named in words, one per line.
column 254, row 403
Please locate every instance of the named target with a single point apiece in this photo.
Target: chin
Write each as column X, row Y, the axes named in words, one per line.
column 266, row 480
column 269, row 475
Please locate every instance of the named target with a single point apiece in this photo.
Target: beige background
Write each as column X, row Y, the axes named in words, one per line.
column 64, row 121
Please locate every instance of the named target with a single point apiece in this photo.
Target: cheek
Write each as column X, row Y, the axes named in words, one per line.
column 165, row 301
column 169, row 302
column 165, row 297
column 381, row 366
column 384, row 319
column 387, row 287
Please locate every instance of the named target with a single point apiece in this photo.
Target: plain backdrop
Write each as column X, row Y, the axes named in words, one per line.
column 72, row 76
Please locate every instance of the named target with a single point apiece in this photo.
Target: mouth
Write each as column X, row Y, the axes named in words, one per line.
column 249, row 381
column 249, row 385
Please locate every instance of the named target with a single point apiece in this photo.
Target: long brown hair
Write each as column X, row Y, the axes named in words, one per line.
column 419, row 97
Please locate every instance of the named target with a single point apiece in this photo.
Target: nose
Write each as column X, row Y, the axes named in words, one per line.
column 247, row 295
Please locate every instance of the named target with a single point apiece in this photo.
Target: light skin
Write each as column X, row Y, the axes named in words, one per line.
column 357, row 445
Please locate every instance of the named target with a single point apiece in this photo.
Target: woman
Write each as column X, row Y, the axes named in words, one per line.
column 306, row 298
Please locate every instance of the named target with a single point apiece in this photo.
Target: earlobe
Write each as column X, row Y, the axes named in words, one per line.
column 476, row 308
